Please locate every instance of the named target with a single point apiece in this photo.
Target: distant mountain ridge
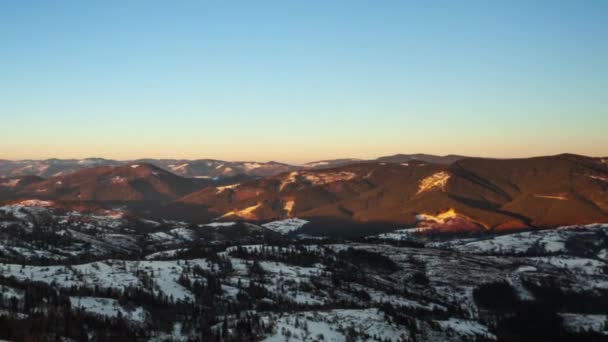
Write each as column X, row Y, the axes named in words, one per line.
column 404, row 158
column 198, row 168
column 202, row 168
column 468, row 194
column 396, row 158
column 135, row 182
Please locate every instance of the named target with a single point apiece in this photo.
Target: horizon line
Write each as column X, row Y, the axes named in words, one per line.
column 303, row 163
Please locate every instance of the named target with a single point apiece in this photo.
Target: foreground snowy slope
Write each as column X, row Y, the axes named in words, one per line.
column 119, row 277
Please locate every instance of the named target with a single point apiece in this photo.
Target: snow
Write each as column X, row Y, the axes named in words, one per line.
column 439, row 218
column 104, row 274
column 135, row 166
column 285, row 226
column 320, row 178
column 35, row 203
column 166, row 274
column 149, row 222
column 178, row 167
column 218, row 224
column 466, row 328
column 436, row 181
column 288, row 207
column 246, row 213
column 183, row 233
column 165, row 254
column 173, row 235
column 526, row 269
column 220, row 189
column 547, row 241
column 119, row 180
column 553, row 197
column 281, row 277
column 24, row 209
column 604, row 179
column 160, row 236
column 315, row 164
column 331, row 326
column 9, row 292
column 177, row 334
column 317, row 178
column 108, row 308
column 290, row 271
column 114, row 274
column 291, row 178
column 252, row 166
column 575, row 322
column 573, row 264
column 401, row 234
column 515, row 281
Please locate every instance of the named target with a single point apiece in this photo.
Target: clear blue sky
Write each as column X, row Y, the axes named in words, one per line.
column 302, row 80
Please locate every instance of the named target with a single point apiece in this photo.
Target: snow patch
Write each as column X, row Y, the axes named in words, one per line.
column 178, row 167
column 218, row 224
column 317, row 178
column 291, row 178
column 466, row 328
column 553, row 197
column 246, row 213
column 253, row 166
column 119, row 180
column 436, row 181
column 329, row 177
column 220, row 189
column 603, row 179
column 439, row 218
column 329, row 326
column 35, row 203
column 108, row 308
column 575, row 322
column 285, row 226
column 288, row 207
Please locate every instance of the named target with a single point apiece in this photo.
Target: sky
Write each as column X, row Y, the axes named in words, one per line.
column 297, row 81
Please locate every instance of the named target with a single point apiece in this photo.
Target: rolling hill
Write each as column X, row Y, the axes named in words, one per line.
column 136, row 182
column 472, row 193
column 469, row 194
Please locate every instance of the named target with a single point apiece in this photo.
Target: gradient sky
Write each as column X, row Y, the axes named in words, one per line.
column 302, row 80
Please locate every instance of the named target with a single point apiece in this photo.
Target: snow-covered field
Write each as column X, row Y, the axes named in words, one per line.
column 333, row 325
column 112, row 274
column 285, row 226
column 585, row 322
column 107, row 307
column 303, row 290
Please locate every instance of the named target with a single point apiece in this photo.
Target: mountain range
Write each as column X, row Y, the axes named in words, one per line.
column 199, row 168
column 444, row 194
column 202, row 168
